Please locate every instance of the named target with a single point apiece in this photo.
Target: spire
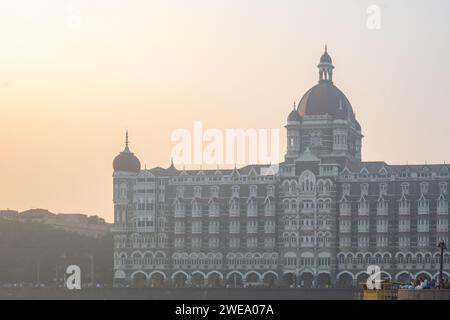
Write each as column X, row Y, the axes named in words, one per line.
column 326, row 49
column 294, row 105
column 172, row 166
column 126, row 142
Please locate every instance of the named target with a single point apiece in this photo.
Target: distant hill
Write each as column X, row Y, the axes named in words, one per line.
column 29, row 250
column 82, row 224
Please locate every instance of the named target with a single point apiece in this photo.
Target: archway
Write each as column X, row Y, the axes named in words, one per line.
column 345, row 281
column 139, row 280
column 252, row 279
column 404, row 277
column 306, row 280
column 288, row 279
column 235, row 280
column 270, row 279
column 214, row 280
column 423, row 275
column 180, row 280
column 198, row 280
column 156, row 280
column 361, row 278
column 385, row 276
column 324, row 280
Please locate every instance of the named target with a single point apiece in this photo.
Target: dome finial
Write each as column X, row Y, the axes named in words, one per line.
column 294, row 104
column 126, row 141
column 172, row 166
column 326, row 47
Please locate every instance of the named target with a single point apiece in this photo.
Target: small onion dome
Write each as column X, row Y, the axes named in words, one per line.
column 126, row 160
column 294, row 116
column 325, row 58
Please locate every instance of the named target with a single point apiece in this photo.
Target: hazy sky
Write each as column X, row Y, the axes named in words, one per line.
column 70, row 87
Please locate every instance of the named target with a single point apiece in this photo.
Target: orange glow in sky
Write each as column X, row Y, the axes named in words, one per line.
column 74, row 75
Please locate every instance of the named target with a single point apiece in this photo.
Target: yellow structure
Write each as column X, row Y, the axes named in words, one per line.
column 388, row 291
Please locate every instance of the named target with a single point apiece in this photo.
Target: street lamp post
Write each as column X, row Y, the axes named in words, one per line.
column 442, row 246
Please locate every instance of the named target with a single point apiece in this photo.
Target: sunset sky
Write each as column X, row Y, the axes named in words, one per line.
column 71, row 85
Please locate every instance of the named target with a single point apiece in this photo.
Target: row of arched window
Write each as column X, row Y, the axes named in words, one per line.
column 386, row 258
column 183, row 259
column 307, row 184
column 253, row 259
column 141, row 241
column 140, row 258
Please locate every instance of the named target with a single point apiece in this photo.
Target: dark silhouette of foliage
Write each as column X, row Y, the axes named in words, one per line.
column 32, row 252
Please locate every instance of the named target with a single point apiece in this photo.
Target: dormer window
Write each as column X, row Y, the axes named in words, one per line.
column 425, row 173
column 444, row 172
column 405, row 174
column 383, row 173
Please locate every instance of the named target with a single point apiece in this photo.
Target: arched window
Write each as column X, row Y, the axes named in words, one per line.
column 307, row 181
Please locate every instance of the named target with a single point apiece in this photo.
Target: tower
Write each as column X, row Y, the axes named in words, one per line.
column 126, row 167
column 293, row 126
column 324, row 120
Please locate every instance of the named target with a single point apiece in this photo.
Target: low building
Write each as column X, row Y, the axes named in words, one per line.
column 9, row 214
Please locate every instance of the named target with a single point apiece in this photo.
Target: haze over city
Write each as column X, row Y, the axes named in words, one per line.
column 70, row 85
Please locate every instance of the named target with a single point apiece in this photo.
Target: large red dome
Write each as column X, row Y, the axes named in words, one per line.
column 326, row 99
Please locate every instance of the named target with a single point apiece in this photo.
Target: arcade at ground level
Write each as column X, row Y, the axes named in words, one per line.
column 270, row 279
